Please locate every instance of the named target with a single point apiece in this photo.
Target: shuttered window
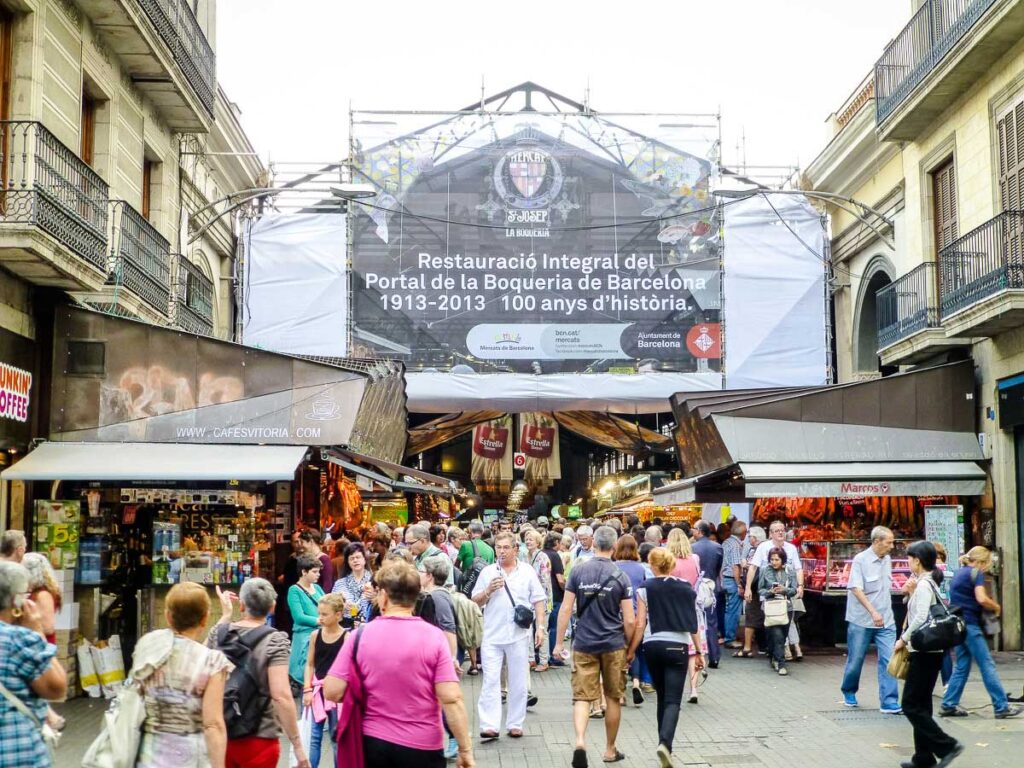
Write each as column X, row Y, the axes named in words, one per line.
column 1011, row 159
column 944, row 199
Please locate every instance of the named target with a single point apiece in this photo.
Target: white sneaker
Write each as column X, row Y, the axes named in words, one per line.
column 665, row 757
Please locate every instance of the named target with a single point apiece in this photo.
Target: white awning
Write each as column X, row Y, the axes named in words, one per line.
column 858, row 479
column 157, row 461
column 680, row 492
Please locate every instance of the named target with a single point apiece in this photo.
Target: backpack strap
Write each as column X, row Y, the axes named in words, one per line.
column 255, row 636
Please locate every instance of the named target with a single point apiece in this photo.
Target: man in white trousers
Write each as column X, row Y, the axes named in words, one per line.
column 499, row 588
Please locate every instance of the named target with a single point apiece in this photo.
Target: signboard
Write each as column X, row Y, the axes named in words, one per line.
column 56, row 533
column 392, row 514
column 945, row 524
column 538, row 442
column 15, row 386
column 492, row 453
column 814, row 489
column 518, row 460
column 533, row 237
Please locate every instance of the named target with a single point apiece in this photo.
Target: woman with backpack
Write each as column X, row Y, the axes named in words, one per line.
column 258, row 701
column 303, row 599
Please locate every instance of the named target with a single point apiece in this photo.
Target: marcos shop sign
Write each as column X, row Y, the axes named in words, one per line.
column 534, row 237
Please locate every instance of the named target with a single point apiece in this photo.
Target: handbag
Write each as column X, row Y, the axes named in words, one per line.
column 521, row 615
column 944, row 629
column 117, row 745
column 50, row 737
column 776, row 612
column 899, row 663
column 989, row 623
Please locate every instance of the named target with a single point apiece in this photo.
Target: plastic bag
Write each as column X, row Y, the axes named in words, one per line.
column 109, row 663
column 87, row 675
column 305, row 735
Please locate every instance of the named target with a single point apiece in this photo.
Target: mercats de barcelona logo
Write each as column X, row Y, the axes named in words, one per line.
column 508, row 337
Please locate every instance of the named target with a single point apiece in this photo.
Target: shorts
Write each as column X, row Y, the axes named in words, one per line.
column 592, row 670
column 753, row 614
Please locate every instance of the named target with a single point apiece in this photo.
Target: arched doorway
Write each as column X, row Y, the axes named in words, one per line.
column 865, row 327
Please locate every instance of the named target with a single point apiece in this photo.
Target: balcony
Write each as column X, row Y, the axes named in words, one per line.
column 164, row 50
column 946, row 47
column 909, row 330
column 53, row 210
column 193, row 299
column 981, row 278
column 140, row 261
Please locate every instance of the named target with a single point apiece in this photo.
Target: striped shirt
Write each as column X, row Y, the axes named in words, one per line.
column 732, row 554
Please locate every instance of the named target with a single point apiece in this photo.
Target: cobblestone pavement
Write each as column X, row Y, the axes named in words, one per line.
column 747, row 717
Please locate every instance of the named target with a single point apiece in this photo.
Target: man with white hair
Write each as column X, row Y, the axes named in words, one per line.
column 653, row 535
column 585, row 544
column 13, row 546
column 869, row 619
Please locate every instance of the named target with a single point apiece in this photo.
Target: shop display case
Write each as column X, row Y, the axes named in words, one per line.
column 827, row 564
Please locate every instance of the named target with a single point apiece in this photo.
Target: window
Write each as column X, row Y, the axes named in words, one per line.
column 1011, row 159
column 86, row 358
column 89, row 108
column 944, row 202
column 147, row 188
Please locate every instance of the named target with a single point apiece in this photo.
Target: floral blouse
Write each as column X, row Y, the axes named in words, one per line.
column 352, row 589
column 542, row 565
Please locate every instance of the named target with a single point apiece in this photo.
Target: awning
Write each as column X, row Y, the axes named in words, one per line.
column 680, row 492
column 156, row 462
column 389, row 483
column 400, row 470
column 858, row 479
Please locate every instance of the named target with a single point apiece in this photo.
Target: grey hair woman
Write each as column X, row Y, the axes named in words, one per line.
column 29, row 670
column 257, row 598
column 44, row 591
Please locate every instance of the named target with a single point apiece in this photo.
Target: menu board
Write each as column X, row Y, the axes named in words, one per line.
column 57, row 530
column 945, row 524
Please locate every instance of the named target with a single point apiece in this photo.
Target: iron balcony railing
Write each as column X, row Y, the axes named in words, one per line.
column 983, row 262
column 193, row 300
column 140, row 257
column 937, row 26
column 907, row 305
column 179, row 28
column 45, row 184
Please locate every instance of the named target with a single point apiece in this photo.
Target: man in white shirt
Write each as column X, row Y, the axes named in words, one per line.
column 869, row 618
column 499, row 588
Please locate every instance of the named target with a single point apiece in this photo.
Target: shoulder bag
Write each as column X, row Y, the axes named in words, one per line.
column 49, row 736
column 776, row 611
column 944, row 629
column 521, row 615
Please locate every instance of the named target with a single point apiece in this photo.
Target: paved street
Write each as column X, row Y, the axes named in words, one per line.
column 747, row 717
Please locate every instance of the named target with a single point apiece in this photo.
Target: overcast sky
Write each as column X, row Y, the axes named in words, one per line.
column 774, row 69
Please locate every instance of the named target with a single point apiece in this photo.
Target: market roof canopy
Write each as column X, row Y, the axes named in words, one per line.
column 429, row 392
column 157, row 461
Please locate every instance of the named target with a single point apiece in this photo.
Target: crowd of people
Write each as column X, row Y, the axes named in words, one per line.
column 369, row 660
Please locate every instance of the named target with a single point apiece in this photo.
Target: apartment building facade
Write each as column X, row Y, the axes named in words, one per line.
column 115, row 144
column 933, row 141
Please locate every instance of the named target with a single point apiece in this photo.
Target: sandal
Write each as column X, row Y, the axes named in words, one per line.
column 596, row 714
column 738, row 655
column 473, row 671
column 619, row 757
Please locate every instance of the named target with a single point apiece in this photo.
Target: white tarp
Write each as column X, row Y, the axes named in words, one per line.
column 774, row 293
column 518, row 392
column 296, row 284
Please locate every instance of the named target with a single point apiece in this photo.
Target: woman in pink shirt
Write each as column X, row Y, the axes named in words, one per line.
column 399, row 657
column 688, row 569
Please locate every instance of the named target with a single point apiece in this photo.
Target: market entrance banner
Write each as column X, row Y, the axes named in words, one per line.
column 538, row 439
column 503, row 241
column 492, row 453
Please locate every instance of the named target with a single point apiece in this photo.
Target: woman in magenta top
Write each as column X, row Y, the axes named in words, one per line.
column 401, row 658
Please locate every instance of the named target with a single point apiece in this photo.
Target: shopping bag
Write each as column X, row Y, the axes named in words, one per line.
column 87, row 677
column 899, row 663
column 305, row 735
column 109, row 663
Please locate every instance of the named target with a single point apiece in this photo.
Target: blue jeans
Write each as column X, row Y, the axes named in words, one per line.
column 638, row 670
column 976, row 647
column 858, row 639
column 733, row 606
column 552, row 628
column 317, row 736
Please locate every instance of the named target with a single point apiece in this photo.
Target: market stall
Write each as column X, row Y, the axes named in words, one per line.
column 833, row 463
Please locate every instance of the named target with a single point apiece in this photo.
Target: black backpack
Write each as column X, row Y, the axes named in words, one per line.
column 470, row 575
column 244, row 700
